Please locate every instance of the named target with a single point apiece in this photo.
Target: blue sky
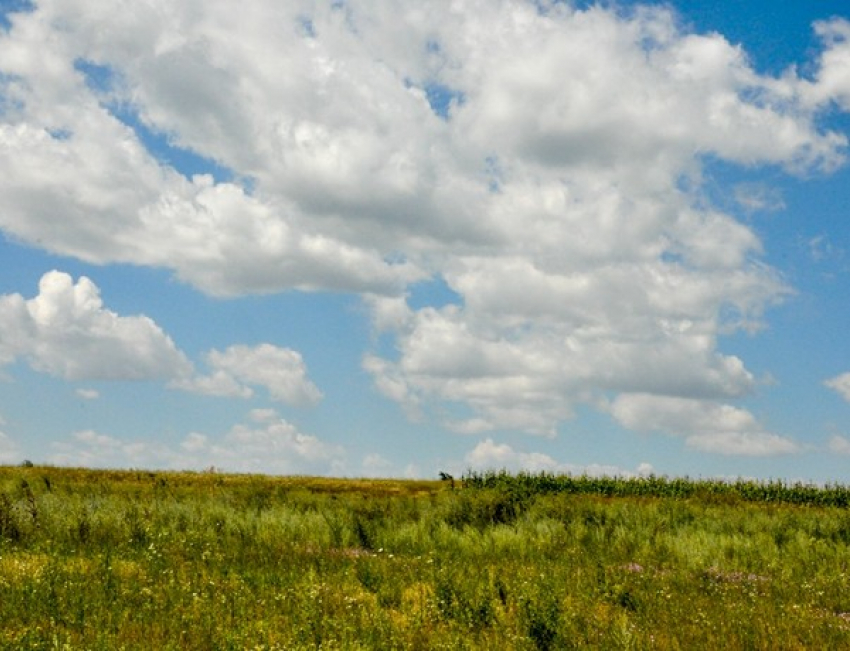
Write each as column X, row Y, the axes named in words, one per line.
column 390, row 238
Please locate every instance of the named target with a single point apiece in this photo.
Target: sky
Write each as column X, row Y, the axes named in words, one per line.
column 391, row 238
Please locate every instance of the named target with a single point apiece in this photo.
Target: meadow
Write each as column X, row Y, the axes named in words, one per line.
column 167, row 560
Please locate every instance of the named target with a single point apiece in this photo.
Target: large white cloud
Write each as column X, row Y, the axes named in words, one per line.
column 67, row 332
column 556, row 188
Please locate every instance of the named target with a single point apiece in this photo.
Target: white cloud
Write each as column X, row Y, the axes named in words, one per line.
column 88, row 394
column 568, row 218
column 63, row 152
column 9, row 450
column 520, row 355
column 707, row 425
column 489, row 455
column 645, row 469
column 349, row 161
column 66, row 331
column 832, row 82
column 758, row 197
column 375, row 465
column 821, row 249
column 266, row 444
column 840, row 384
column 194, row 442
column 281, row 371
column 746, row 443
column 839, row 445
column 93, row 449
column 389, row 313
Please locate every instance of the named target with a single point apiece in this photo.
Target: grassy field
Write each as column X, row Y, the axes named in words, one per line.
column 138, row 560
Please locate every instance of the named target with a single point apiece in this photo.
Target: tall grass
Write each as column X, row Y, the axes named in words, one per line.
column 137, row 560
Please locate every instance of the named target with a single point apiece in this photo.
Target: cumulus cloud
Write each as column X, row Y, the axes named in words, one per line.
column 280, row 371
column 66, row 151
column 832, row 80
column 67, row 332
column 544, row 161
column 840, row 384
column 265, row 443
column 489, row 455
column 707, row 425
column 93, row 449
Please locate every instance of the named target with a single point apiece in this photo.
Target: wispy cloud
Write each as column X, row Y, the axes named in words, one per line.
column 840, row 384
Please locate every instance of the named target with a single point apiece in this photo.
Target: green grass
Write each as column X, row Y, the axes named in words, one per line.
column 138, row 560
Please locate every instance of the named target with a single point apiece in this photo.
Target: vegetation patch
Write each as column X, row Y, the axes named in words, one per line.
column 140, row 560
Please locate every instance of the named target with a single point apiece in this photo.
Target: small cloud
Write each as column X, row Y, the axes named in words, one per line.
column 94, row 449
column 88, row 394
column 489, row 455
column 750, row 444
column 266, row 443
column 194, row 442
column 9, row 452
column 375, row 465
column 758, row 197
column 839, row 445
column 412, row 471
column 645, row 469
column 840, row 384
column 391, row 383
column 280, row 371
column 470, row 426
column 389, row 313
column 820, row 248
column 219, row 383
column 263, row 415
column 90, row 437
column 272, row 444
column 707, row 425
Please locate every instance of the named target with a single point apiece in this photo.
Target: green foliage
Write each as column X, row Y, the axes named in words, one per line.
column 774, row 491
column 138, row 560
